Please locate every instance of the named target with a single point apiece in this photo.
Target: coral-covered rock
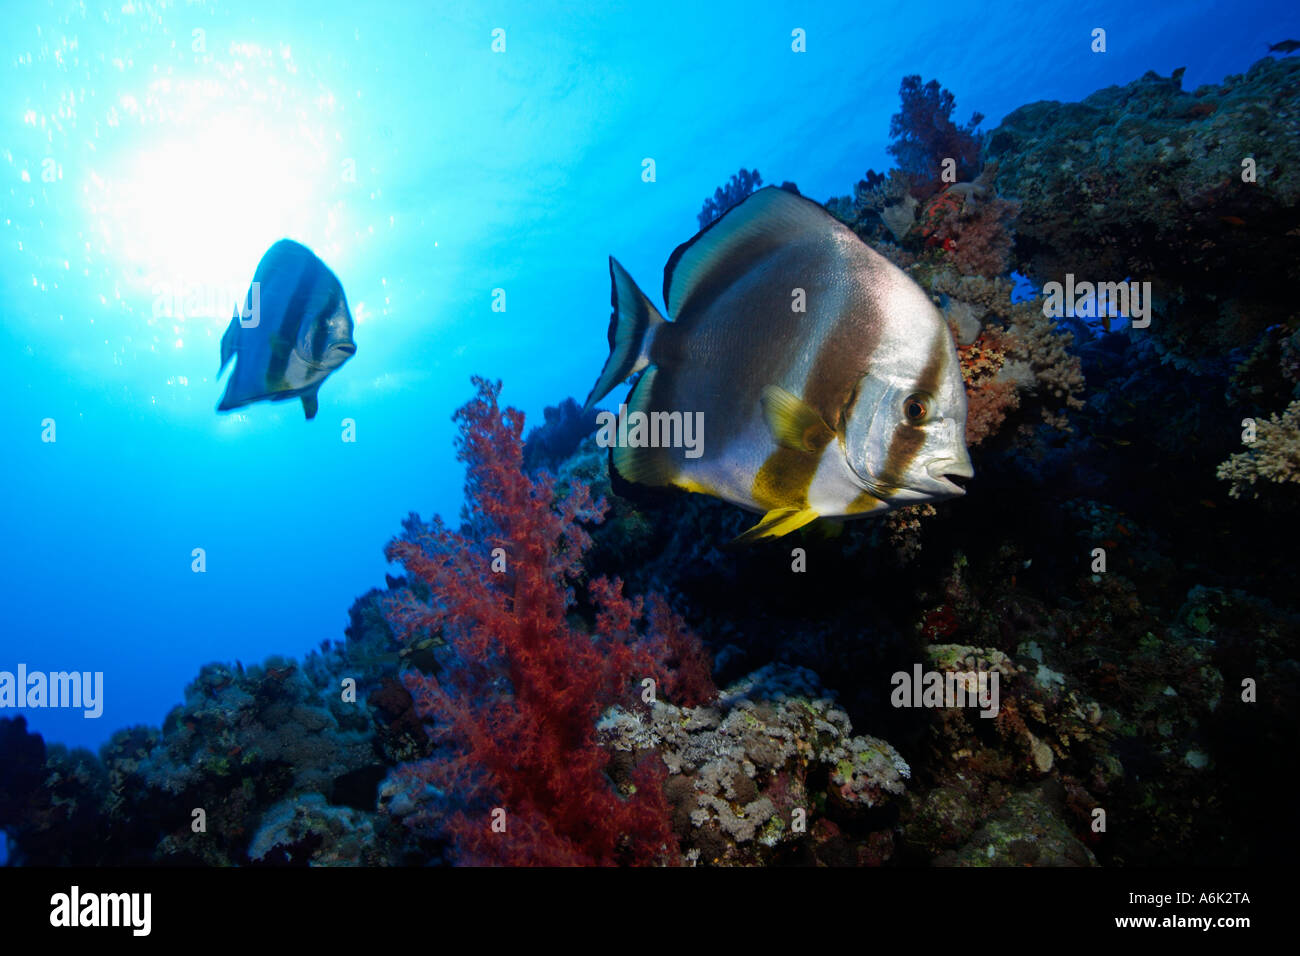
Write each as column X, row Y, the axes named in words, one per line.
column 308, row 831
column 564, row 428
column 754, row 775
column 1145, row 181
column 1028, row 830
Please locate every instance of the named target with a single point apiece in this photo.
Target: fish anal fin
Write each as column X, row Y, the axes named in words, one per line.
column 644, row 465
column 229, row 342
column 310, row 405
column 777, row 522
column 793, row 423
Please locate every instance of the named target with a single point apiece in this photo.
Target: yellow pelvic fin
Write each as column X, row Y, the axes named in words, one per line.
column 793, row 422
column 777, row 522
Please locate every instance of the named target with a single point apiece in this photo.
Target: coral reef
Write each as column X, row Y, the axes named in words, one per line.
column 1111, row 564
column 977, row 234
column 244, row 739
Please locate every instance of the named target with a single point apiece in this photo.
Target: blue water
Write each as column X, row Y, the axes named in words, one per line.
column 140, row 157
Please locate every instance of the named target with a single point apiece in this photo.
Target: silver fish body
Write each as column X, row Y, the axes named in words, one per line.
column 294, row 330
column 828, row 382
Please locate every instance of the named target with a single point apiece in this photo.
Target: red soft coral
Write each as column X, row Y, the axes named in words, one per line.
column 515, row 710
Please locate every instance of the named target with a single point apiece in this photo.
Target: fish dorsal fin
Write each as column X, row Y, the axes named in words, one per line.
column 728, row 247
column 793, row 422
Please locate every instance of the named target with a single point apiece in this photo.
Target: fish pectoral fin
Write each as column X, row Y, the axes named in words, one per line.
column 793, row 422
column 777, row 522
column 310, row 405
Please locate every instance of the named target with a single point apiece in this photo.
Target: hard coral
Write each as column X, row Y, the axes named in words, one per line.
column 753, row 776
column 516, row 705
column 1273, row 456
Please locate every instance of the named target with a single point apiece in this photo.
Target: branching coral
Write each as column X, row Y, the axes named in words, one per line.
column 992, row 295
column 878, row 201
column 924, row 135
column 1273, row 456
column 515, row 707
column 904, row 528
column 1043, row 349
column 987, row 408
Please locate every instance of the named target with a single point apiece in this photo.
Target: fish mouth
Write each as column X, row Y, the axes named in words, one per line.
column 951, row 474
column 346, row 349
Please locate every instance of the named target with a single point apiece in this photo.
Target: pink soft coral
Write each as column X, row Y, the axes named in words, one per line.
column 988, row 399
column 979, row 236
column 515, row 710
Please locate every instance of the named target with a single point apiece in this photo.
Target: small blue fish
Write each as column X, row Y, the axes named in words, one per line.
column 295, row 329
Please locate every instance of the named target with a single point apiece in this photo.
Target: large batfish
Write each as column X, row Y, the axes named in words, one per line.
column 803, row 374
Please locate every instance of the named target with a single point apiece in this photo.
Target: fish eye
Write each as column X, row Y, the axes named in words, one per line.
column 916, row 408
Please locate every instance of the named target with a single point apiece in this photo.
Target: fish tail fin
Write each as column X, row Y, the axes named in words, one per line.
column 632, row 327
column 229, row 342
